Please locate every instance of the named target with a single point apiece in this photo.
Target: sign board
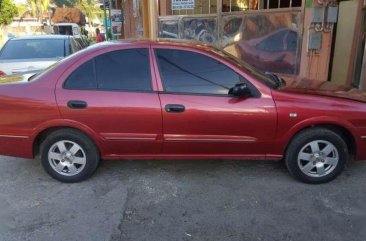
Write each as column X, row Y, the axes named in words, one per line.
column 182, row 4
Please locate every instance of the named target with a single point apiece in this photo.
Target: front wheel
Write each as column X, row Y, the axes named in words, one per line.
column 69, row 155
column 316, row 155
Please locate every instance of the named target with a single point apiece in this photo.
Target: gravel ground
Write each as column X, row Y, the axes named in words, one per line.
column 180, row 200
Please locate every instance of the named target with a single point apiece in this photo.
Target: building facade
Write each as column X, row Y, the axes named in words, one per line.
column 309, row 41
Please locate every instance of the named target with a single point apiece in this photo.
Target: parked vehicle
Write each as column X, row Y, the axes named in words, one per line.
column 72, row 29
column 34, row 53
column 143, row 99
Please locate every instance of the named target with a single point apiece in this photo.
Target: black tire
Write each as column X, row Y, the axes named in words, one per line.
column 303, row 144
column 74, row 172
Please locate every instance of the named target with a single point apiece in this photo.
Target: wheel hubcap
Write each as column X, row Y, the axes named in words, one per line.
column 67, row 158
column 318, row 158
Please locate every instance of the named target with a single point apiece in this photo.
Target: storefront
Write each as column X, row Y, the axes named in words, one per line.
column 299, row 39
column 359, row 72
column 265, row 33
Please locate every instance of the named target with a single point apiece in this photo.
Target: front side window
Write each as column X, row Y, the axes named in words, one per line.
column 189, row 72
column 127, row 70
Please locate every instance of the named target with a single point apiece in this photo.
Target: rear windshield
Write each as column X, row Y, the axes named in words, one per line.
column 33, row 48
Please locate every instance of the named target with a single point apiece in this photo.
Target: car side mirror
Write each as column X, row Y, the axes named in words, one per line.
column 240, row 90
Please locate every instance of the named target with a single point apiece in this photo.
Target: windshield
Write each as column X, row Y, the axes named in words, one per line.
column 263, row 77
column 33, row 49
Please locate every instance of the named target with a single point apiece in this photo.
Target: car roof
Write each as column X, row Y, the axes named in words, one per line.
column 162, row 42
column 66, row 24
column 48, row 36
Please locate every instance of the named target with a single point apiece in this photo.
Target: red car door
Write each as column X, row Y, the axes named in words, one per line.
column 200, row 118
column 112, row 94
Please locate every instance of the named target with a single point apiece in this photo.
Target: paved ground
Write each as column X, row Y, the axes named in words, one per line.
column 180, row 200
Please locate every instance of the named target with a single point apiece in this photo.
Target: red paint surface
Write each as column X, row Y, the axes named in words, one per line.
column 136, row 125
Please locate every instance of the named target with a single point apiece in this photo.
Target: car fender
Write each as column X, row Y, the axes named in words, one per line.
column 286, row 138
column 66, row 123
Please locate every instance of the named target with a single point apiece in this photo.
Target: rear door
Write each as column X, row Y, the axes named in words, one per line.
column 112, row 94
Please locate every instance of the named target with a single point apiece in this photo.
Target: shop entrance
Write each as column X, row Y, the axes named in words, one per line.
column 359, row 73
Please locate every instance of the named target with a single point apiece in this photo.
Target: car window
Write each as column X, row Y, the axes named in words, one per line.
column 83, row 77
column 273, row 43
column 118, row 70
column 292, row 41
column 189, row 72
column 74, row 45
column 124, row 70
column 33, row 48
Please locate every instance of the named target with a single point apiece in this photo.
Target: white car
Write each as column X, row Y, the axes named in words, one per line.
column 34, row 53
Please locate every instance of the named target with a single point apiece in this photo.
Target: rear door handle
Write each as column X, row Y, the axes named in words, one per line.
column 175, row 108
column 77, row 104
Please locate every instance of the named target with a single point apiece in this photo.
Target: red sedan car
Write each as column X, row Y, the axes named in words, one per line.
column 145, row 99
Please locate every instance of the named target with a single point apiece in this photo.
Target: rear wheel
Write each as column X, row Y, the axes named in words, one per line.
column 69, row 155
column 316, row 155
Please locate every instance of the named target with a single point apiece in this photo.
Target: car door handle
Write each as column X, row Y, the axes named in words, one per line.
column 77, row 104
column 175, row 108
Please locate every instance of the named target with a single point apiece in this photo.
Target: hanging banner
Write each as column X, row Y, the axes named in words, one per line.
column 182, row 4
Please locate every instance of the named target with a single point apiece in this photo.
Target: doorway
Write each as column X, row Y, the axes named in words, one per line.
column 359, row 71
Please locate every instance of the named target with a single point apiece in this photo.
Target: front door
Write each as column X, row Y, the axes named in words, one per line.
column 200, row 118
column 112, row 95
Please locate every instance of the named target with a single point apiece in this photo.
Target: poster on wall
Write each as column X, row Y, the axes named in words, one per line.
column 182, row 4
column 116, row 15
column 116, row 28
column 116, row 19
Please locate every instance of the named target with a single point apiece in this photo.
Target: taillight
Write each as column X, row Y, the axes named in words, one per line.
column 2, row 73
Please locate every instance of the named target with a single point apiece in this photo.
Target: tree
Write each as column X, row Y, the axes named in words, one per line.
column 7, row 11
column 88, row 8
column 38, row 7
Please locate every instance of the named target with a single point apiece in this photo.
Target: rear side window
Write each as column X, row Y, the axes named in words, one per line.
column 118, row 70
column 83, row 77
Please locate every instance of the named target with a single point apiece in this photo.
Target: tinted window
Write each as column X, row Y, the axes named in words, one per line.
column 292, row 41
column 83, row 77
column 273, row 43
column 189, row 72
column 33, row 48
column 124, row 70
column 117, row 70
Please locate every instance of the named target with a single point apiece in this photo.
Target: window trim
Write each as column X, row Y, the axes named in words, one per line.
column 255, row 92
column 114, row 90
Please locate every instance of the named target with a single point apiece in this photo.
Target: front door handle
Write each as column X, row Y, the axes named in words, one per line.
column 77, row 104
column 175, row 108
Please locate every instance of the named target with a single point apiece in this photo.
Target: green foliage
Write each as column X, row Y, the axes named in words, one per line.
column 67, row 3
column 38, row 7
column 88, row 8
column 22, row 9
column 7, row 11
